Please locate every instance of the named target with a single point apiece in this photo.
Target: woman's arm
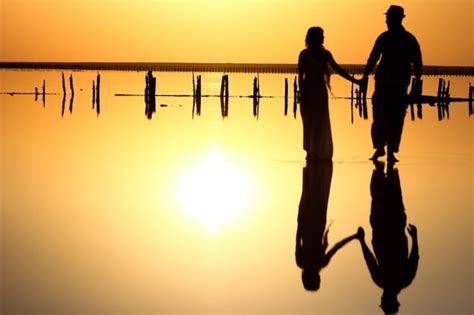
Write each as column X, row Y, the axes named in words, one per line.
column 301, row 67
column 337, row 247
column 339, row 70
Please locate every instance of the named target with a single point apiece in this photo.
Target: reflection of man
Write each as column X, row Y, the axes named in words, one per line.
column 399, row 50
column 391, row 268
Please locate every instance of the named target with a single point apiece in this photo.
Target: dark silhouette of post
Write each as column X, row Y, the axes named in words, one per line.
column 286, row 96
column 97, row 98
column 295, row 97
column 197, row 97
column 391, row 265
column 256, row 97
column 150, row 95
column 44, row 93
column 63, row 82
column 93, row 94
column 71, row 102
column 311, row 253
column 352, row 101
column 471, row 92
column 71, row 84
column 36, row 93
column 63, row 104
column 224, row 96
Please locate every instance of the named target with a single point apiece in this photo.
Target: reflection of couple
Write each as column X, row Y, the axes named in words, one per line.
column 398, row 50
column 391, row 267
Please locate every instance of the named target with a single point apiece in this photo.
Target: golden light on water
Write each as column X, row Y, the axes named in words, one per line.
column 214, row 190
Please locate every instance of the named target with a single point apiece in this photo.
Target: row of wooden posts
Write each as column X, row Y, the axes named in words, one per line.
column 150, row 93
column 95, row 93
column 358, row 98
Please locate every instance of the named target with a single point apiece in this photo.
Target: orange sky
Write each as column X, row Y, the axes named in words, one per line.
column 260, row 31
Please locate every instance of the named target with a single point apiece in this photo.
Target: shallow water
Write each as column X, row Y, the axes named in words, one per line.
column 115, row 213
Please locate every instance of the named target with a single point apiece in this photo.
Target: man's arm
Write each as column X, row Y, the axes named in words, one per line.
column 414, row 256
column 417, row 60
column 373, row 57
column 369, row 257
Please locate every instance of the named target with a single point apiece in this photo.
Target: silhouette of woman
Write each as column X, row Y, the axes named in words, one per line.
column 392, row 268
column 314, row 79
column 312, row 233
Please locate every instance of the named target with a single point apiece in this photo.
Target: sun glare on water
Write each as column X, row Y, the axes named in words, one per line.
column 214, row 191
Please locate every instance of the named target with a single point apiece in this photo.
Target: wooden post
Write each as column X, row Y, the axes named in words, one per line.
column 255, row 99
column 439, row 94
column 63, row 104
column 222, row 87
column 227, row 88
column 352, row 101
column 471, row 92
column 286, row 96
column 36, row 93
column 198, row 96
column 446, row 99
column 97, row 98
column 71, row 102
column 295, row 96
column 93, row 94
column 63, row 82
column 150, row 95
column 194, row 88
column 71, row 85
column 44, row 93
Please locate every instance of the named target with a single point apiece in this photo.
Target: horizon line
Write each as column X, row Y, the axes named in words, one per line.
column 209, row 67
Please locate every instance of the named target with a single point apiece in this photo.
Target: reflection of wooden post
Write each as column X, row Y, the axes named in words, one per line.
column 63, row 105
column 150, row 95
column 97, row 90
column 93, row 94
column 222, row 87
column 44, row 93
column 64, row 82
column 295, row 97
column 440, row 94
column 352, row 101
column 471, row 92
column 198, row 96
column 446, row 99
column 227, row 88
column 286, row 96
column 71, row 85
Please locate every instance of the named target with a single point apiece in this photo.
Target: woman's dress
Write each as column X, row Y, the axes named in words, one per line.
column 317, row 138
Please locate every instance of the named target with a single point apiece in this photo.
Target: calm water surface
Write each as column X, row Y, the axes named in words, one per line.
column 114, row 213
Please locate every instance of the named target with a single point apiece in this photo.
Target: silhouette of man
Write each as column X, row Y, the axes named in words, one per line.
column 399, row 50
column 392, row 268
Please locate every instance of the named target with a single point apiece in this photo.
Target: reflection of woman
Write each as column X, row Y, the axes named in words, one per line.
column 314, row 78
column 312, row 235
column 392, row 268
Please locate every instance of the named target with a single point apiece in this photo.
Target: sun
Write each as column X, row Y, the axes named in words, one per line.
column 214, row 190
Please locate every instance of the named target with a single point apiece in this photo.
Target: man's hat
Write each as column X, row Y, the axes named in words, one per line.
column 395, row 11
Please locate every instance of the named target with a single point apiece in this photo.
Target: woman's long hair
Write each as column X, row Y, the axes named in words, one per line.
column 314, row 41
